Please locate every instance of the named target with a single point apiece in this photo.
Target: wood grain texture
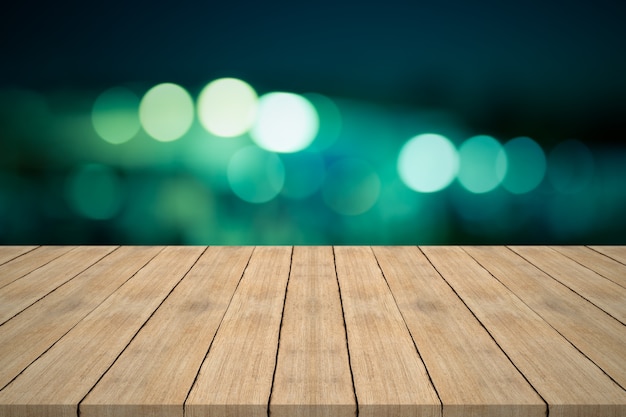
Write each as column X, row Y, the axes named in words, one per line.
column 245, row 344
column 156, row 371
column 28, row 335
column 473, row 377
column 570, row 383
column 600, row 337
column 25, row 291
column 313, row 376
column 18, row 267
column 614, row 252
column 10, row 252
column 54, row 384
column 389, row 376
column 603, row 265
column 310, row 331
column 602, row 292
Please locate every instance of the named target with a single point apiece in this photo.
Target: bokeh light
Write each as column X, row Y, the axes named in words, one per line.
column 304, row 174
column 227, row 107
column 481, row 161
column 115, row 115
column 285, row 123
column 570, row 167
column 521, row 165
column 352, row 186
column 255, row 175
column 166, row 112
column 95, row 191
column 76, row 166
column 428, row 163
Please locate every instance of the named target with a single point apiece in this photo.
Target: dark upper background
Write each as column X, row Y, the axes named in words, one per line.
column 551, row 70
column 555, row 65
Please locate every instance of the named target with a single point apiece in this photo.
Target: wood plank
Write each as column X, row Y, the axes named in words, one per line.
column 155, row 373
column 603, row 265
column 29, row 334
column 600, row 291
column 600, row 337
column 236, row 376
column 54, row 384
column 472, row 375
column 313, row 376
column 570, row 383
column 25, row 291
column 389, row 376
column 10, row 252
column 615, row 252
column 18, row 267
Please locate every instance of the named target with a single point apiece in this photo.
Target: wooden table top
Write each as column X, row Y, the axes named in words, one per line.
column 481, row 331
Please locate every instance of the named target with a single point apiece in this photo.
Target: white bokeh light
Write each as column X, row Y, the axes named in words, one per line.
column 285, row 123
column 166, row 112
column 227, row 107
column 428, row 163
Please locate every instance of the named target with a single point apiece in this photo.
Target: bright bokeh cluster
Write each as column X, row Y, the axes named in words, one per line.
column 430, row 162
column 262, row 147
column 226, row 162
column 277, row 123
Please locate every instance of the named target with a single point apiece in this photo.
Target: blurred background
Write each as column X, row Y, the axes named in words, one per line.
column 328, row 122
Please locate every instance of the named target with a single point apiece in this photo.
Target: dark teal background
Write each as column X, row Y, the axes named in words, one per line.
column 553, row 71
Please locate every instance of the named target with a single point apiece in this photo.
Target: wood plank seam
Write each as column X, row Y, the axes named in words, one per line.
column 78, row 322
column 568, row 287
column 547, row 322
column 345, row 328
column 59, row 286
column 587, row 267
column 138, row 330
column 488, row 332
column 39, row 267
column 216, row 331
column 20, row 255
column 280, row 329
column 246, row 343
column 604, row 254
column 409, row 331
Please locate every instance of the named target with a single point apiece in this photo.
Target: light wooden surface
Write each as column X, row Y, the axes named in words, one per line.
column 313, row 376
column 312, row 331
